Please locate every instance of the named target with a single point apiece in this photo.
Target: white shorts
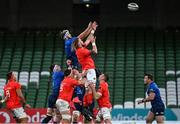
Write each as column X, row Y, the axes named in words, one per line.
column 75, row 112
column 91, row 75
column 104, row 113
column 62, row 105
column 19, row 113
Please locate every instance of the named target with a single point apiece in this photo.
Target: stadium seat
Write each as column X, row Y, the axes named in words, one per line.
column 148, row 105
column 118, row 106
column 16, row 74
column 139, row 105
column 163, row 95
column 124, row 54
column 178, row 92
column 2, row 84
column 34, row 77
column 178, row 73
column 170, row 72
column 24, row 78
column 171, row 93
column 129, row 105
column 45, row 73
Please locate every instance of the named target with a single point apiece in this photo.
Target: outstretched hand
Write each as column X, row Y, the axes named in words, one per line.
column 90, row 24
column 94, row 25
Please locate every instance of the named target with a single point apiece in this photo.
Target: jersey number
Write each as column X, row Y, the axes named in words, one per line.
column 7, row 93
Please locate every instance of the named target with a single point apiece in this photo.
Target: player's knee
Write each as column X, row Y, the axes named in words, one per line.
column 160, row 120
column 98, row 119
column 76, row 115
column 107, row 118
column 49, row 111
column 23, row 120
column 107, row 121
column 148, row 120
column 66, row 117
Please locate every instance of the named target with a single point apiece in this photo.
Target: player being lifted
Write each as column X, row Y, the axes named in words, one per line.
column 72, row 61
column 71, row 58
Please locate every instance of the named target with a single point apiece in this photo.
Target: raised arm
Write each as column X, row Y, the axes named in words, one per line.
column 94, row 47
column 86, row 32
column 91, row 34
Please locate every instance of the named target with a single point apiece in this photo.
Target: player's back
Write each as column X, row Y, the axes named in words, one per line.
column 57, row 78
column 67, row 88
column 85, row 59
column 13, row 100
column 157, row 102
column 68, row 48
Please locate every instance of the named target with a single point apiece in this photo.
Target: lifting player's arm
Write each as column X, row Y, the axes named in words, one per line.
column 94, row 47
column 96, row 95
column 150, row 97
column 78, row 76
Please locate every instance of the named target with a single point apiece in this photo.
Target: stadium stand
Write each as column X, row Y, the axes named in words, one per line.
column 124, row 54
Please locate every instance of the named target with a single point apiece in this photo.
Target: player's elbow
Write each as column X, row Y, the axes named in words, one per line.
column 97, row 96
column 95, row 52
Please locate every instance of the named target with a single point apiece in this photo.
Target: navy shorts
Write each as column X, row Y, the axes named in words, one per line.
column 158, row 111
column 78, row 107
column 52, row 101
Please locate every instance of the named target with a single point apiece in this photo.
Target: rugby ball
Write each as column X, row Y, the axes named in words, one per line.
column 133, row 7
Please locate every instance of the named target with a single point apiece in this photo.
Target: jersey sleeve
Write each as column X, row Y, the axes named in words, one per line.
column 74, row 82
column 100, row 90
column 151, row 89
column 17, row 85
column 85, row 52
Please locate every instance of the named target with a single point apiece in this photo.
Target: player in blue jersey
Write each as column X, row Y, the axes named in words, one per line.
column 71, row 58
column 157, row 110
column 72, row 61
column 57, row 77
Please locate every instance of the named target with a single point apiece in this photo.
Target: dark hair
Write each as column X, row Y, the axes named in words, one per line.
column 106, row 77
column 51, row 67
column 9, row 75
column 150, row 76
column 67, row 72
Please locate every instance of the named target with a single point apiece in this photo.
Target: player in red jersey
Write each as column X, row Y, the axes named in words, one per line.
column 85, row 59
column 103, row 98
column 14, row 98
column 66, row 93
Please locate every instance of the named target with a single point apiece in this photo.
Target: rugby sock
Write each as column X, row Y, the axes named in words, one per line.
column 46, row 119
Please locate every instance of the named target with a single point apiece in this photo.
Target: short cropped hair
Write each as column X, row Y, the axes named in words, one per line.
column 150, row 76
column 9, row 75
column 106, row 77
column 67, row 72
